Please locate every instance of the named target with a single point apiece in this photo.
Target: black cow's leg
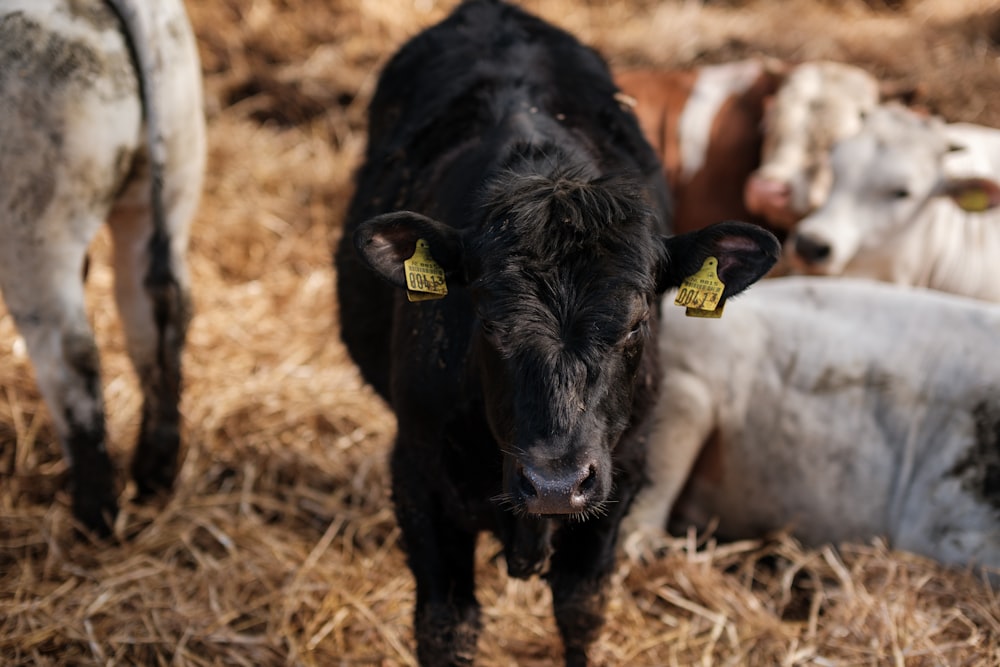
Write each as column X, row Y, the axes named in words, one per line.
column 581, row 567
column 151, row 290
column 527, row 543
column 441, row 556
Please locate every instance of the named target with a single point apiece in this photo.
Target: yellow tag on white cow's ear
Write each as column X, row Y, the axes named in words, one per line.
column 973, row 200
column 424, row 277
column 973, row 195
column 702, row 291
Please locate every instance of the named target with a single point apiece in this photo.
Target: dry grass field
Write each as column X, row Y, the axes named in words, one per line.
column 279, row 545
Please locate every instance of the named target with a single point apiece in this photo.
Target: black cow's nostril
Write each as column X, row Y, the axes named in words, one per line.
column 811, row 250
column 589, row 482
column 524, row 485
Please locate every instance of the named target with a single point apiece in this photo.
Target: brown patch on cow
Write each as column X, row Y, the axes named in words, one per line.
column 710, row 465
column 659, row 101
column 715, row 192
column 709, row 468
column 979, row 470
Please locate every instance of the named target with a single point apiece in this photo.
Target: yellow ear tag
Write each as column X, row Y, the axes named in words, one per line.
column 701, row 292
column 424, row 276
column 973, row 200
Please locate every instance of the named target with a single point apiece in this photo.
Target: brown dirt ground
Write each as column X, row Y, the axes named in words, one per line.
column 279, row 546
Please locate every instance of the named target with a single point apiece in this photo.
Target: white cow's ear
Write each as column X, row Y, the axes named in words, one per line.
column 974, row 195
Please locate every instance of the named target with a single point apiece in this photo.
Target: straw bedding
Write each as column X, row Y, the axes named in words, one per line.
column 279, row 546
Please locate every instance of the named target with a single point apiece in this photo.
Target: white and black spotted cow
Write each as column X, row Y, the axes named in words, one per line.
column 101, row 120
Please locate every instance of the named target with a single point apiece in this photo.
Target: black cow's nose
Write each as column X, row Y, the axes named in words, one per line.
column 555, row 491
column 811, row 249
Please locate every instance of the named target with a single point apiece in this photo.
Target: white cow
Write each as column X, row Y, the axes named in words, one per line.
column 839, row 409
column 101, row 120
column 897, row 210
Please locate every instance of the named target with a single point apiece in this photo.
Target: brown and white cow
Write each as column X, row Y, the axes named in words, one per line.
column 817, row 105
column 749, row 140
column 100, row 121
column 705, row 125
column 840, row 410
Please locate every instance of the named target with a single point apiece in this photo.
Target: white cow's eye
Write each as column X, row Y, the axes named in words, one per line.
column 900, row 193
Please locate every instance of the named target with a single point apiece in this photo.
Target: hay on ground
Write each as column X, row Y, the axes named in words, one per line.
column 279, row 546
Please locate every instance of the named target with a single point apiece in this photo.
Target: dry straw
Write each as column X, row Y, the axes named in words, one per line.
column 279, row 546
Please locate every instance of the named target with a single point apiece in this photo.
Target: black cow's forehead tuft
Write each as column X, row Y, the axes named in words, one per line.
column 562, row 216
column 567, row 258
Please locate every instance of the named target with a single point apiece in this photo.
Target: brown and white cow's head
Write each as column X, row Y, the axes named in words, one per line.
column 886, row 177
column 819, row 103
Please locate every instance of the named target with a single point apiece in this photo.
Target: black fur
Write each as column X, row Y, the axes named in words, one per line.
column 522, row 396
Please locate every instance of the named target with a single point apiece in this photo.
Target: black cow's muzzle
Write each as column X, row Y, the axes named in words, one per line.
column 555, row 488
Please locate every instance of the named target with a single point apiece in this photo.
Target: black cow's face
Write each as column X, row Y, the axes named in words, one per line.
column 564, row 277
column 558, row 370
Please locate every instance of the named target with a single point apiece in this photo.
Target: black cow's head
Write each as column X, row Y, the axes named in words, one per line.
column 564, row 276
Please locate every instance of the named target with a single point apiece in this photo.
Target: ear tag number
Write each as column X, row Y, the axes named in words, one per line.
column 424, row 276
column 701, row 293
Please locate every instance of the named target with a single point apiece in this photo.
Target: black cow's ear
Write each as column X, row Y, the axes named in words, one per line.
column 745, row 253
column 386, row 241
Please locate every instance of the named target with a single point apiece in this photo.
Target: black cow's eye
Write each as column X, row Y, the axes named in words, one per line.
column 488, row 328
column 637, row 329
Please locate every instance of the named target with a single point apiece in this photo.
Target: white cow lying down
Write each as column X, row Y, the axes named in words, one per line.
column 841, row 409
column 100, row 123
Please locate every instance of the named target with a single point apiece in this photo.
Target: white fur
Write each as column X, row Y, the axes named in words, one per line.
column 76, row 154
column 715, row 84
column 844, row 410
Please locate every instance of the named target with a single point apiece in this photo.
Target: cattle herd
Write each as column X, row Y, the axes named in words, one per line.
column 521, row 223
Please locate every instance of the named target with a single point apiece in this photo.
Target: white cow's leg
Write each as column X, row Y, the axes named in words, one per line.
column 685, row 415
column 43, row 289
column 152, row 292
